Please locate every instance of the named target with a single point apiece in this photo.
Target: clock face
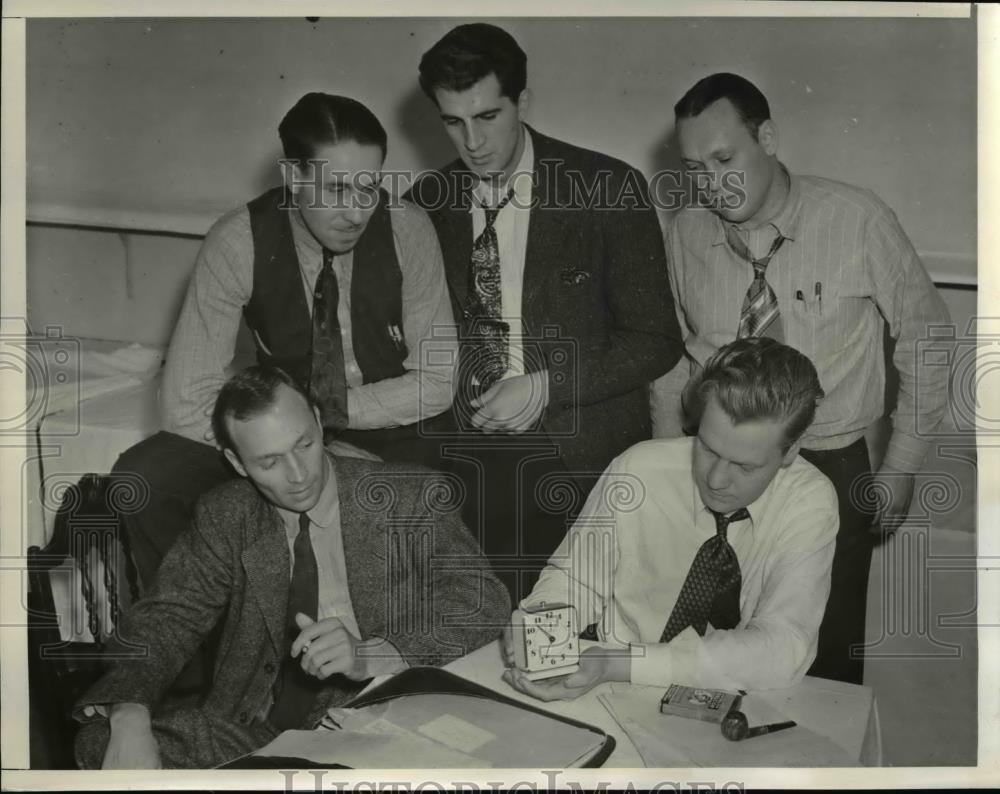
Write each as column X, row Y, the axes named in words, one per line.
column 549, row 638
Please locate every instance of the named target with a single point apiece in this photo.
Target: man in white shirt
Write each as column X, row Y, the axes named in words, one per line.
column 704, row 561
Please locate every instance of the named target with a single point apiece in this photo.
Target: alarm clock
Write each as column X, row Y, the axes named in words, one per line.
column 546, row 641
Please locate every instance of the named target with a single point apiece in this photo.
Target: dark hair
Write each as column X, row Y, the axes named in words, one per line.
column 759, row 378
column 322, row 119
column 467, row 54
column 750, row 103
column 248, row 393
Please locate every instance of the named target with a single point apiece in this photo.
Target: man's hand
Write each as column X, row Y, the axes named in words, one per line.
column 893, row 492
column 597, row 665
column 512, row 405
column 507, row 646
column 328, row 647
column 132, row 744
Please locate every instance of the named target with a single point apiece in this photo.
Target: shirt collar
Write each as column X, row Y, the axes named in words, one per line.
column 522, row 182
column 327, row 509
column 787, row 219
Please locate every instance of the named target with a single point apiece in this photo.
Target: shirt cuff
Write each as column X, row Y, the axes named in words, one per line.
column 905, row 453
column 652, row 665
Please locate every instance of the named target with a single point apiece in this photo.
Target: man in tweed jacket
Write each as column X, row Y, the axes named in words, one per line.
column 401, row 583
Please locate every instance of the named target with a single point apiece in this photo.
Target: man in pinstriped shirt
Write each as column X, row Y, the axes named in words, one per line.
column 845, row 270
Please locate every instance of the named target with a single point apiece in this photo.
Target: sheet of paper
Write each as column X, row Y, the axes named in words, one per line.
column 392, row 748
column 456, row 733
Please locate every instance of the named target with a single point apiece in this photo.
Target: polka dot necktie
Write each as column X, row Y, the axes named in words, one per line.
column 487, row 356
column 711, row 591
column 296, row 689
column 759, row 315
column 327, row 378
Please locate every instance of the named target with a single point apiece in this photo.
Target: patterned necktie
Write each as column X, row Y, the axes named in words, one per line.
column 296, row 688
column 759, row 315
column 486, row 332
column 327, row 378
column 711, row 591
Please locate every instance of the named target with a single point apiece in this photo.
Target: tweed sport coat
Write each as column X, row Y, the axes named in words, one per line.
column 415, row 575
column 595, row 292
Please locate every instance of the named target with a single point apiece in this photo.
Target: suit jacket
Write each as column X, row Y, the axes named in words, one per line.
column 595, row 288
column 415, row 575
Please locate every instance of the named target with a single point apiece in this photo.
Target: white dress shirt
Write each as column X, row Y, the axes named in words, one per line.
column 512, row 243
column 626, row 558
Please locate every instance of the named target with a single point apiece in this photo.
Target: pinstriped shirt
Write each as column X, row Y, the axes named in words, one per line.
column 846, row 265
column 204, row 339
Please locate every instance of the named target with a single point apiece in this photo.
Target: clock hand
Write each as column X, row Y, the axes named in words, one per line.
column 551, row 637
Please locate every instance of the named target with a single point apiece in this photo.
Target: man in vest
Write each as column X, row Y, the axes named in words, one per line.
column 340, row 289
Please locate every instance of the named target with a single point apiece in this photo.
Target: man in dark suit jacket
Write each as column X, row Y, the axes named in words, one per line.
column 555, row 263
column 305, row 561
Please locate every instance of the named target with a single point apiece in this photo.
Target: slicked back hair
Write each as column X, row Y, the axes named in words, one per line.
column 758, row 378
column 319, row 119
column 467, row 54
column 249, row 393
column 746, row 98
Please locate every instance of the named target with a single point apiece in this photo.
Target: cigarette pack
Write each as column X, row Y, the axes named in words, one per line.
column 710, row 705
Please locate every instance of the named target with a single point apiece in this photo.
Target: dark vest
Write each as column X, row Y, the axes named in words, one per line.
column 279, row 316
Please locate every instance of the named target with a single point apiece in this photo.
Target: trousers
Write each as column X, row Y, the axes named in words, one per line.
column 840, row 654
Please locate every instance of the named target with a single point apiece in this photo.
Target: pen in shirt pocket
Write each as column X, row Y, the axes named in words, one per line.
column 396, row 333
column 819, row 296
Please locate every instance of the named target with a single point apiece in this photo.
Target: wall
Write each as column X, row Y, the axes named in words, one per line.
column 168, row 123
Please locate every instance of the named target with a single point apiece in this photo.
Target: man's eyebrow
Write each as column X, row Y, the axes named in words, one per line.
column 479, row 115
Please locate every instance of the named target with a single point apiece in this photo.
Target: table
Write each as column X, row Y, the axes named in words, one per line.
column 846, row 714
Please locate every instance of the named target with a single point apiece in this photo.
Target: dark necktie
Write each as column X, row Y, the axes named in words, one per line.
column 486, row 333
column 327, row 378
column 711, row 591
column 296, row 688
column 759, row 315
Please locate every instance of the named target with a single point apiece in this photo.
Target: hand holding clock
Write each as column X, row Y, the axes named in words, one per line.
column 597, row 665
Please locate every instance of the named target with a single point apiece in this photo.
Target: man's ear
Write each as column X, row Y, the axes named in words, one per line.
column 523, row 102
column 792, row 454
column 767, row 136
column 233, row 458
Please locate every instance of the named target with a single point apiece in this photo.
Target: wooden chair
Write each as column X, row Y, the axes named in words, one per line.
column 88, row 547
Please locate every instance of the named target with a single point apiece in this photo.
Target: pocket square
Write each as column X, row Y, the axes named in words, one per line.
column 574, row 276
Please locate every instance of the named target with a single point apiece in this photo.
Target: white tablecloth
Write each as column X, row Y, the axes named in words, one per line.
column 845, row 714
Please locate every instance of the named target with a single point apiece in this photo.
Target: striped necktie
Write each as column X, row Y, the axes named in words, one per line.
column 711, row 591
column 759, row 315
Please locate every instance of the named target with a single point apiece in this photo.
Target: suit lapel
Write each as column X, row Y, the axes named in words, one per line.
column 267, row 564
column 546, row 227
column 364, row 552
